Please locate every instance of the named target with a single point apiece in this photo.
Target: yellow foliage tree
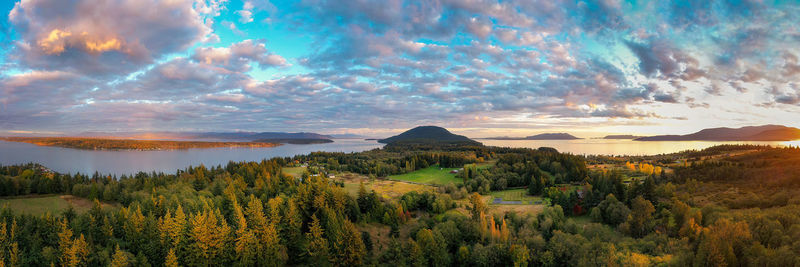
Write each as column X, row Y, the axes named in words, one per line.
column 246, row 244
column 171, row 260
column 354, row 249
column 119, row 259
column 504, row 233
column 210, row 235
column 317, row 245
column 64, row 243
column 79, row 252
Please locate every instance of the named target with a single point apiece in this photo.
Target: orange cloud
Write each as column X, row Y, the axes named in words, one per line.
column 54, row 42
column 57, row 40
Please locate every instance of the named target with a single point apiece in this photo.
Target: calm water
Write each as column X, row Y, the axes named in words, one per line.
column 68, row 160
column 619, row 147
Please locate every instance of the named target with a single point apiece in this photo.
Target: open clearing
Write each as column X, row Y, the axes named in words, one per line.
column 430, row 175
column 54, row 204
column 520, row 195
column 384, row 188
column 294, row 171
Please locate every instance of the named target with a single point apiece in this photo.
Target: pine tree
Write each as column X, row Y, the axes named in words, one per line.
column 210, row 235
column 353, row 247
column 171, row 260
column 275, row 252
column 293, row 232
column 79, row 252
column 119, row 259
column 246, row 244
column 317, row 245
column 107, row 229
column 415, row 256
column 65, row 243
column 13, row 254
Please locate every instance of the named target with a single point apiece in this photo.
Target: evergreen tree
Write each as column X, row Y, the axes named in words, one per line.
column 317, row 245
column 119, row 259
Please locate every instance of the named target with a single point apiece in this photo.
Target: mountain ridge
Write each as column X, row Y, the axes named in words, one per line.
column 544, row 136
column 768, row 132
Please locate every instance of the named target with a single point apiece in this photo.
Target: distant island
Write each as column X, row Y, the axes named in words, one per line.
column 428, row 135
column 305, row 141
column 346, row 136
column 544, row 136
column 128, row 144
column 622, row 136
column 205, row 136
column 750, row 133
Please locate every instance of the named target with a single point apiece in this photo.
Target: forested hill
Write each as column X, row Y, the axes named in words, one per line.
column 428, row 135
column 751, row 133
column 544, row 136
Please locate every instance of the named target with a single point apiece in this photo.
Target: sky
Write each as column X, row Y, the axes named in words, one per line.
column 478, row 67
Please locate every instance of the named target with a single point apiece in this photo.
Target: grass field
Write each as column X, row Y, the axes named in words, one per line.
column 515, row 195
column 38, row 205
column 486, row 164
column 294, row 171
column 429, row 175
column 384, row 188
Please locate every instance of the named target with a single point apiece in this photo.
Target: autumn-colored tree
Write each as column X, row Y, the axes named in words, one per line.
column 504, row 233
column 171, row 260
column 171, row 228
column 494, row 233
column 519, row 255
column 724, row 244
column 478, row 205
column 640, row 220
column 134, row 226
column 79, row 252
column 274, row 251
column 246, row 246
column 317, row 245
column 415, row 255
column 433, row 248
column 108, row 228
column 274, row 206
column 209, row 233
column 483, row 226
column 270, row 251
column 292, row 233
column 352, row 247
column 65, row 243
column 119, row 259
column 14, row 255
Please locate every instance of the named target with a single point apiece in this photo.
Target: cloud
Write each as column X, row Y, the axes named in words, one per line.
column 245, row 16
column 103, row 36
column 238, row 56
column 373, row 64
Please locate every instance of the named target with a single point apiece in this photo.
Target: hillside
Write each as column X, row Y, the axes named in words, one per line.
column 215, row 136
column 263, row 135
column 130, row 144
column 621, row 136
column 293, row 141
column 750, row 133
column 544, row 136
column 428, row 135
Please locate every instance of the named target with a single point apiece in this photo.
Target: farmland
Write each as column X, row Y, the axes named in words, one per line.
column 39, row 205
column 430, row 175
